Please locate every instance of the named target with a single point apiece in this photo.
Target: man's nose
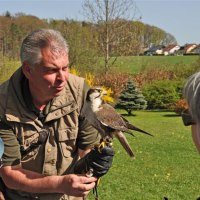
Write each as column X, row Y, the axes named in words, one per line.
column 61, row 75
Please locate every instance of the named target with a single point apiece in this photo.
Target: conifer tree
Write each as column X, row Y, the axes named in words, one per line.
column 131, row 98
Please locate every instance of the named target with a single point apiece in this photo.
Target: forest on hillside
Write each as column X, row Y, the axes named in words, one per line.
column 87, row 41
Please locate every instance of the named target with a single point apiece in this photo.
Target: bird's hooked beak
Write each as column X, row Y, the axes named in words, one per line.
column 103, row 95
column 103, row 92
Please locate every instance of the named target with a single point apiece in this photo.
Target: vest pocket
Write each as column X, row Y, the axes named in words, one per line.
column 67, row 141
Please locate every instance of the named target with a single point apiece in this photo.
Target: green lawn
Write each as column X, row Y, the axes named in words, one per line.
column 128, row 64
column 135, row 64
column 7, row 68
column 166, row 165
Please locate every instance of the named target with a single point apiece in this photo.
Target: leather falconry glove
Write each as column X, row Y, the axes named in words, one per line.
column 97, row 161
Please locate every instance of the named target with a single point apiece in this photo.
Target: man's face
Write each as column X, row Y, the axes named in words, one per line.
column 48, row 79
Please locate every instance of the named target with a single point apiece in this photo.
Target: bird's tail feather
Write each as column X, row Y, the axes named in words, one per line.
column 124, row 142
column 134, row 128
column 129, row 132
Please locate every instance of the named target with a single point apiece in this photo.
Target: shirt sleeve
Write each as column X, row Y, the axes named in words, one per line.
column 11, row 155
column 88, row 136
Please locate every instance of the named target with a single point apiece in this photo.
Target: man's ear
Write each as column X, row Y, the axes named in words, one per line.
column 26, row 70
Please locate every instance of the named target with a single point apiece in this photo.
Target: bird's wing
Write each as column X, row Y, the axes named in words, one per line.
column 124, row 142
column 108, row 116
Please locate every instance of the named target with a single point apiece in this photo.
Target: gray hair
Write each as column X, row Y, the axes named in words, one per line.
column 38, row 39
column 192, row 95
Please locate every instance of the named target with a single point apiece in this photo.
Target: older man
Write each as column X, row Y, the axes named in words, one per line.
column 41, row 124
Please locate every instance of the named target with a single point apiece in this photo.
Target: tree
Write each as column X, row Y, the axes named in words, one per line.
column 156, row 36
column 169, row 39
column 79, row 35
column 112, row 19
column 131, row 99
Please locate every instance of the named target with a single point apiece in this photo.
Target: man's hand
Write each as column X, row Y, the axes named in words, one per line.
column 77, row 185
column 18, row 178
column 97, row 160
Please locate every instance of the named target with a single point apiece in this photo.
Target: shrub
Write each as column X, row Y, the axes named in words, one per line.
column 180, row 106
column 149, row 76
column 114, row 80
column 89, row 78
column 185, row 70
column 162, row 94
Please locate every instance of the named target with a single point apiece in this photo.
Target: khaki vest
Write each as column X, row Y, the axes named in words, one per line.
column 57, row 155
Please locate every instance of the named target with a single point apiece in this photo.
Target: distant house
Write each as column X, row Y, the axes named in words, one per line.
column 154, row 50
column 196, row 50
column 181, row 51
column 186, row 49
column 189, row 47
column 171, row 49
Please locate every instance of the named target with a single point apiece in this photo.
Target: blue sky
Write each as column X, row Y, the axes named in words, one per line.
column 177, row 17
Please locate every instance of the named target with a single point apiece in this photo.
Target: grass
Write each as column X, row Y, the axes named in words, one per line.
column 127, row 64
column 7, row 68
column 136, row 64
column 166, row 165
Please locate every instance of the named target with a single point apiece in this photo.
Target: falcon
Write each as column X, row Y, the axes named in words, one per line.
column 106, row 120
